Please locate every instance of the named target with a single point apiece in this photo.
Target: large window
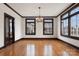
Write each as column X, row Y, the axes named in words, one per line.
column 30, row 27
column 70, row 23
column 48, row 27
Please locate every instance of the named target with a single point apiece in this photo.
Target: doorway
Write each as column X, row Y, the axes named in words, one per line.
column 9, row 32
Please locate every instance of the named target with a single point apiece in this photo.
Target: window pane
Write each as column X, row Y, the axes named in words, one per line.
column 75, row 25
column 48, row 28
column 74, row 10
column 7, row 27
column 62, row 26
column 48, row 20
column 30, row 28
column 65, row 27
column 66, row 15
column 78, row 25
column 10, row 28
column 30, row 20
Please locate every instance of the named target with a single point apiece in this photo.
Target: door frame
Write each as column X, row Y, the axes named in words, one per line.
column 7, row 15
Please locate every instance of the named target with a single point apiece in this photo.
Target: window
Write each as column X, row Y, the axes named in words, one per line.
column 64, row 24
column 70, row 23
column 65, row 27
column 74, row 26
column 30, row 27
column 48, row 27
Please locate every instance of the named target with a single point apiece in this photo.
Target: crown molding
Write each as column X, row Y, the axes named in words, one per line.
column 27, row 16
column 12, row 9
column 65, row 9
column 37, row 16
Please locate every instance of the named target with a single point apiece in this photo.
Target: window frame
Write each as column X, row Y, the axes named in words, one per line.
column 69, row 23
column 26, row 26
column 44, row 26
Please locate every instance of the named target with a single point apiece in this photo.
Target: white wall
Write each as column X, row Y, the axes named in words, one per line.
column 39, row 31
column 69, row 40
column 18, row 34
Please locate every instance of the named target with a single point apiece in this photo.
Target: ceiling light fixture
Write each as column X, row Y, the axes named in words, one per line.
column 39, row 18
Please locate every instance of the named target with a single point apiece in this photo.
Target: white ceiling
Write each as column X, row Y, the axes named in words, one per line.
column 31, row 9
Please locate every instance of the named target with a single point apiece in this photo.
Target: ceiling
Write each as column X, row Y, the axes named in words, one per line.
column 31, row 9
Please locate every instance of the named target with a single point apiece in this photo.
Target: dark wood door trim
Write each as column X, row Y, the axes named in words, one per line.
column 13, row 28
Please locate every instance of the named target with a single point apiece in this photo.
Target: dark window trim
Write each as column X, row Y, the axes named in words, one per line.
column 26, row 26
column 69, row 16
column 44, row 27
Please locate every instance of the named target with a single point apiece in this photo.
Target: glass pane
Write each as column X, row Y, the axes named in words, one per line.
column 10, row 28
column 74, row 10
column 65, row 15
column 73, row 26
column 48, row 20
column 62, row 26
column 48, row 28
column 7, row 28
column 78, row 25
column 30, row 28
column 65, row 27
column 30, row 20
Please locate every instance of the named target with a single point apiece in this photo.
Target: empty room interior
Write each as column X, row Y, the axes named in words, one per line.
column 39, row 29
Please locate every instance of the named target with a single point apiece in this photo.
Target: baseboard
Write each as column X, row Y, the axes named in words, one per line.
column 42, row 39
column 38, row 38
column 29, row 39
column 18, row 40
column 2, row 47
column 69, row 44
column 11, row 44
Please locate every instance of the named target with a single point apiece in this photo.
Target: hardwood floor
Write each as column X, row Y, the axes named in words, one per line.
column 37, row 48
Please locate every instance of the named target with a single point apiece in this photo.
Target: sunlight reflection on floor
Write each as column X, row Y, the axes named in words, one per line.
column 30, row 50
column 48, row 50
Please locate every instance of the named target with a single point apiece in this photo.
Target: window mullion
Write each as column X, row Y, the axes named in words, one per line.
column 69, row 24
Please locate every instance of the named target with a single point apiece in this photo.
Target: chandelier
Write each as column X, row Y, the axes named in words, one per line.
column 39, row 18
